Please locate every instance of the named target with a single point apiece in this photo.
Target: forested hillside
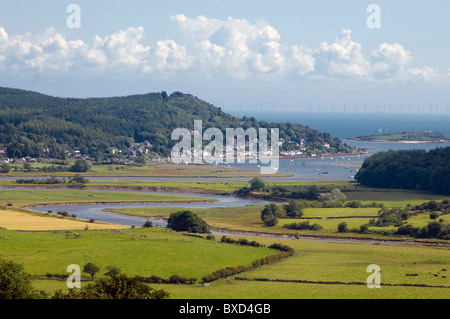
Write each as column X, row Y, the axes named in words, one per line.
column 408, row 169
column 37, row 125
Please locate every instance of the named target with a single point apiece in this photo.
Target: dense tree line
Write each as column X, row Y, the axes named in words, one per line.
column 38, row 125
column 433, row 229
column 408, row 169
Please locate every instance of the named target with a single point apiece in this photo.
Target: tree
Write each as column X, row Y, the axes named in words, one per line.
column 312, row 192
column 91, row 269
column 15, row 283
column 187, row 221
column 334, row 195
column 78, row 179
column 112, row 271
column 342, row 227
column 27, row 167
column 270, row 215
column 256, row 184
column 80, row 166
column 140, row 160
column 294, row 209
column 5, row 168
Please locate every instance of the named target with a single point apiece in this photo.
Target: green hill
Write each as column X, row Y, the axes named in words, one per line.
column 42, row 126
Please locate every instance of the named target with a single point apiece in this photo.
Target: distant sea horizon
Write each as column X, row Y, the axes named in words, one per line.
column 347, row 125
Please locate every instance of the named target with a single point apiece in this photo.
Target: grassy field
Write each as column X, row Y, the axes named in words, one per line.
column 28, row 197
column 160, row 252
column 314, row 261
column 392, row 197
column 255, row 290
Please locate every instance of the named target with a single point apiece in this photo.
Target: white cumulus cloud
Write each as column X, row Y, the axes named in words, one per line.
column 213, row 49
column 342, row 58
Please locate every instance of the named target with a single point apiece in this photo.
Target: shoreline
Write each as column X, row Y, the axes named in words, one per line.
column 30, row 207
column 87, row 175
column 324, row 155
column 398, row 141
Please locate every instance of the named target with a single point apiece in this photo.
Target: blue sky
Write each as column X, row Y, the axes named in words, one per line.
column 234, row 54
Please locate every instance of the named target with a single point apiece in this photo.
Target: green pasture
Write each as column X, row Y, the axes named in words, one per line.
column 28, row 197
column 326, row 262
column 138, row 251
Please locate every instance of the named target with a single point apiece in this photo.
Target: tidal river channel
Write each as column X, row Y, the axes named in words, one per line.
column 97, row 211
column 340, row 168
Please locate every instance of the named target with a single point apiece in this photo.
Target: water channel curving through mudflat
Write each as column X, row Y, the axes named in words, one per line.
column 99, row 213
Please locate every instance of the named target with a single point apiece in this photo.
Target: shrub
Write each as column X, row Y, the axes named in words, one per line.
column 148, row 224
column 434, row 215
column 354, row 204
column 363, row 229
column 407, row 230
column 65, row 214
column 303, row 226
